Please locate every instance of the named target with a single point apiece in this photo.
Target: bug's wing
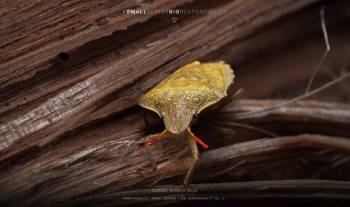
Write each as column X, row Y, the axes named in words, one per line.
column 154, row 99
column 220, row 76
column 217, row 74
column 216, row 77
column 206, row 82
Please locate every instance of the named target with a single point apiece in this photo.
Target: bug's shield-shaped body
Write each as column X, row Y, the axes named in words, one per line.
column 188, row 91
column 184, row 93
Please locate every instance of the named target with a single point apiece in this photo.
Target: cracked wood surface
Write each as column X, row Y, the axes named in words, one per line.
column 34, row 32
column 68, row 127
column 66, row 109
column 95, row 162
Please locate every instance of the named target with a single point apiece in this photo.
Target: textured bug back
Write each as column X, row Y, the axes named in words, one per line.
column 187, row 91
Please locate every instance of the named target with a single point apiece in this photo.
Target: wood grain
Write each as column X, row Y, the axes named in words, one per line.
column 92, row 162
column 61, row 112
column 72, row 71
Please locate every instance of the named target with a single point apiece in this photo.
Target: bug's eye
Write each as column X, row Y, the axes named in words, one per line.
column 194, row 113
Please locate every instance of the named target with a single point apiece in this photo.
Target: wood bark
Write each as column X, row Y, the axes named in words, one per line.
column 71, row 73
column 72, row 106
column 116, row 164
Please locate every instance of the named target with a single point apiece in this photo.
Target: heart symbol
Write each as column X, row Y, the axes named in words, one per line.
column 174, row 19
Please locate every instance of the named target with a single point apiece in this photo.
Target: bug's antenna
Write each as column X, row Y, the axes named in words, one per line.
column 325, row 53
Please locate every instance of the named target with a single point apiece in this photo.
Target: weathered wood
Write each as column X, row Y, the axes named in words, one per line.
column 34, row 32
column 62, row 173
column 290, row 49
column 71, row 72
column 65, row 110
column 92, row 161
column 56, row 74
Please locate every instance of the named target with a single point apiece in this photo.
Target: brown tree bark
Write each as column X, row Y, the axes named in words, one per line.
column 71, row 73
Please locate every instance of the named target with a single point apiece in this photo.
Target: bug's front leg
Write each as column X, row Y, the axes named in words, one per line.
column 150, row 139
column 195, row 154
column 151, row 157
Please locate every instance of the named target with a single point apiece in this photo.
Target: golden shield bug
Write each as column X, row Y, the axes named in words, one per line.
column 184, row 94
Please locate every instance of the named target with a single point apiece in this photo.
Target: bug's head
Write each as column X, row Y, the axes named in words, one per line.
column 177, row 118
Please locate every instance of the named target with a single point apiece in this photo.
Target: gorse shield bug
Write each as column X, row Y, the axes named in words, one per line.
column 184, row 94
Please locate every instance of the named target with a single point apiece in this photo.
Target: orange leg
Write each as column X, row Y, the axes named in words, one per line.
column 197, row 139
column 151, row 139
column 195, row 155
column 155, row 137
column 193, row 140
